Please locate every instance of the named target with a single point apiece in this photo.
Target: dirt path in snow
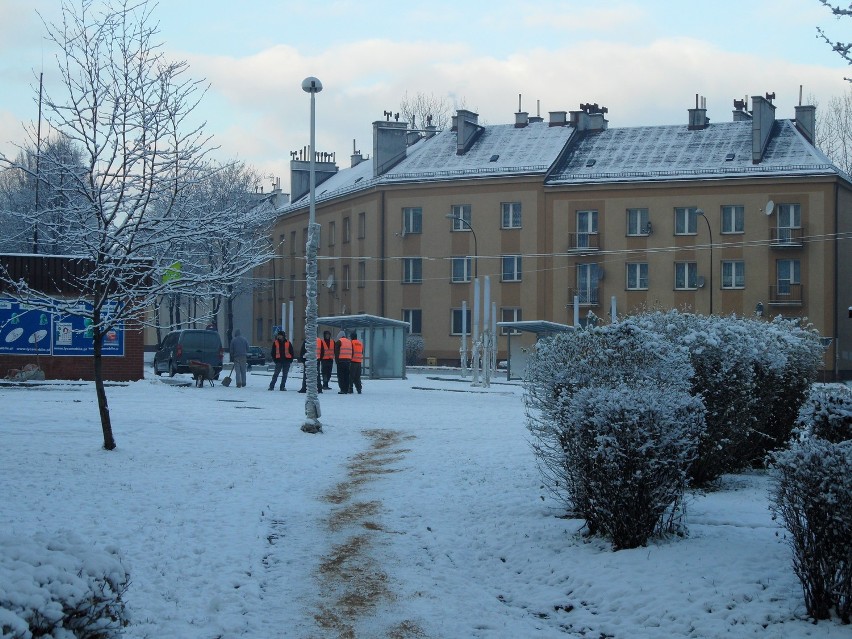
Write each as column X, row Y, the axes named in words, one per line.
column 351, row 576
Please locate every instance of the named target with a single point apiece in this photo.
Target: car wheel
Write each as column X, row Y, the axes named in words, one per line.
column 157, row 371
column 172, row 369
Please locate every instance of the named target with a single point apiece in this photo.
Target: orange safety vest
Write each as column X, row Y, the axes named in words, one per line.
column 345, row 348
column 319, row 348
column 357, row 351
column 288, row 352
column 329, row 349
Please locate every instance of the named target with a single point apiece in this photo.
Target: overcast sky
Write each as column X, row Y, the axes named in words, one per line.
column 643, row 59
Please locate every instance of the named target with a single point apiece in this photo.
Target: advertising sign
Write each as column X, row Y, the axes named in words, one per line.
column 23, row 329
column 73, row 335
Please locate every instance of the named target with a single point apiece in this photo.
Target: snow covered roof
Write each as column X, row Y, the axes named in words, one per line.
column 499, row 151
column 721, row 150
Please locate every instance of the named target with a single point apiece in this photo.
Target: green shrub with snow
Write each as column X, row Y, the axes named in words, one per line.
column 60, row 588
column 827, row 413
column 614, row 427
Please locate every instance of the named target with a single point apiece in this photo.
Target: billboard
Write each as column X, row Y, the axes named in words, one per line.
column 23, row 329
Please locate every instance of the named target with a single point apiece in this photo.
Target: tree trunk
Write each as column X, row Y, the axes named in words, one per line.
column 103, row 406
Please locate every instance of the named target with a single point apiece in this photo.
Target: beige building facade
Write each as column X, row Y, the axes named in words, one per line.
column 565, row 215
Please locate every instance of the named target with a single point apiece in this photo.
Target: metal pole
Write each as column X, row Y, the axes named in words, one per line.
column 710, row 232
column 312, row 407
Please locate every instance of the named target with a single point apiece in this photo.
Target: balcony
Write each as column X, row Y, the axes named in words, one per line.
column 582, row 242
column 786, row 294
column 588, row 295
column 783, row 237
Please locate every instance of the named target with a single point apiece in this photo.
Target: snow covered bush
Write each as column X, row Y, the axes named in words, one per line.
column 60, row 588
column 413, row 349
column 613, row 426
column 813, row 497
column 827, row 413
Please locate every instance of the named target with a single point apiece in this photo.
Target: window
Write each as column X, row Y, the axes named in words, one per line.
column 305, row 240
column 789, row 218
column 362, row 225
column 347, row 231
column 460, row 328
column 292, row 242
column 510, row 315
column 588, row 276
column 346, row 283
column 587, row 224
column 733, row 274
column 461, row 269
column 461, row 214
column 637, row 276
column 292, row 285
column 511, row 268
column 733, row 218
column 511, row 215
column 329, row 283
column 788, row 274
column 638, row 222
column 362, row 274
column 414, row 317
column 686, row 221
column 332, row 232
column 412, row 270
column 259, row 329
column 686, row 275
column 412, row 220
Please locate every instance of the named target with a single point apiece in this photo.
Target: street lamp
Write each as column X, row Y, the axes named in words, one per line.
column 704, row 215
column 312, row 408
column 450, row 216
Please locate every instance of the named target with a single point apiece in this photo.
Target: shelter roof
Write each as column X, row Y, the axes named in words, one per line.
column 360, row 321
column 539, row 327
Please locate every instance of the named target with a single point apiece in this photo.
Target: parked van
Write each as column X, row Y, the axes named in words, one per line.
column 180, row 347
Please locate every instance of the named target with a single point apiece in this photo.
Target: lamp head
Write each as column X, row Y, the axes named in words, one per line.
column 311, row 85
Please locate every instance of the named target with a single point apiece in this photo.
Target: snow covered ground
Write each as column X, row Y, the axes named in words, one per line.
column 417, row 513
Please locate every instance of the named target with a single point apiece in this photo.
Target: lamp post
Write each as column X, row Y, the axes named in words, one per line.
column 704, row 215
column 450, row 216
column 312, row 408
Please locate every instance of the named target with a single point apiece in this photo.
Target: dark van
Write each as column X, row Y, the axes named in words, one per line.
column 181, row 347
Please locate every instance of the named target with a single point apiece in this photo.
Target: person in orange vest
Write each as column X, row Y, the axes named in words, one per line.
column 303, row 357
column 355, row 364
column 282, row 356
column 343, row 355
column 327, row 358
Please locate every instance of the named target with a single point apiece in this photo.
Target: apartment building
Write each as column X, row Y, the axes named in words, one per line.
column 744, row 217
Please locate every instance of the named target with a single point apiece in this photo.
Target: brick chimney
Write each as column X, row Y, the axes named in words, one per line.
column 590, row 117
column 558, row 118
column 806, row 121
column 389, row 144
column 698, row 116
column 468, row 130
column 300, row 171
column 763, row 119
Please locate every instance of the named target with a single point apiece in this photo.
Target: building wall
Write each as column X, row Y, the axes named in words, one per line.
column 549, row 217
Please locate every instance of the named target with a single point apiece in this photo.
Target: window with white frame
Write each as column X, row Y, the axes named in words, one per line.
column 733, row 218
column 362, row 274
column 346, row 282
column 461, row 214
column 292, row 242
column 637, row 276
column 412, row 270
column 362, row 225
column 347, row 231
column 686, row 275
column 638, row 222
column 788, row 274
column 686, row 220
column 511, row 268
column 588, row 276
column 461, row 269
column 332, row 233
column 292, row 285
column 414, row 317
column 587, row 224
column 412, row 220
column 789, row 218
column 460, row 322
column 510, row 215
column 510, row 315
column 733, row 274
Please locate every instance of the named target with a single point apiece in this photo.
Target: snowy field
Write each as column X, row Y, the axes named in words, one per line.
column 417, row 513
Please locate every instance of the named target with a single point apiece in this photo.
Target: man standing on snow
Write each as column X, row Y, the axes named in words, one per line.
column 355, row 364
column 239, row 353
column 282, row 355
column 343, row 356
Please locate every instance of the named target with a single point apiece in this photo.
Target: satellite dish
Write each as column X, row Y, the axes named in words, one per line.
column 700, row 281
column 329, row 282
column 770, row 206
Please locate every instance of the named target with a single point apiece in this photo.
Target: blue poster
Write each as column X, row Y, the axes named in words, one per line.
column 73, row 335
column 23, row 329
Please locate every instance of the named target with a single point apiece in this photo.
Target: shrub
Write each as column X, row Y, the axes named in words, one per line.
column 827, row 413
column 60, row 588
column 413, row 349
column 600, row 401
column 813, row 497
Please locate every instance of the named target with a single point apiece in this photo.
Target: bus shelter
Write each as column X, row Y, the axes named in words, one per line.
column 526, row 333
column 383, row 339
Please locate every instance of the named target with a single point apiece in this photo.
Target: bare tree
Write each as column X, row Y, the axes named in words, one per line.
column 133, row 213
column 843, row 49
column 420, row 109
column 833, row 135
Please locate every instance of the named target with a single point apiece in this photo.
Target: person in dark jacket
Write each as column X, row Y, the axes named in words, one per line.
column 239, row 354
column 282, row 355
column 355, row 364
column 325, row 355
column 343, row 357
column 303, row 358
